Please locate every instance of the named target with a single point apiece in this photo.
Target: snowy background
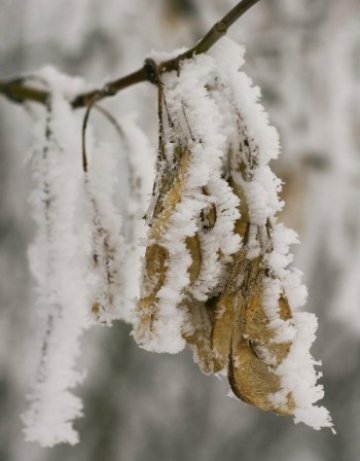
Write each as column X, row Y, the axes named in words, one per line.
column 141, row 406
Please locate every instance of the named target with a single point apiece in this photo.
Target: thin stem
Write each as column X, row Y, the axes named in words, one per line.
column 90, row 105
column 18, row 92
column 217, row 31
column 111, row 88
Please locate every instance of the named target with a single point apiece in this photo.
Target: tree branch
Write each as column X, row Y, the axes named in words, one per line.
column 17, row 91
column 217, row 31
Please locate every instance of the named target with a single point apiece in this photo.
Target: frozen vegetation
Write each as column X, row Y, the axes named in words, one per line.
column 190, row 247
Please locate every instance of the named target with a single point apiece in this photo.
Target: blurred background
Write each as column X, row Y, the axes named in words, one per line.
column 305, row 54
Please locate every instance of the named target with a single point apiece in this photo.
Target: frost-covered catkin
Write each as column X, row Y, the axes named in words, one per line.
column 104, row 228
column 56, row 260
column 140, row 159
column 267, row 343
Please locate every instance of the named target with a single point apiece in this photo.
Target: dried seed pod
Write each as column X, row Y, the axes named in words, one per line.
column 232, row 295
column 157, row 255
column 226, row 312
column 217, row 242
column 243, row 340
column 197, row 330
column 243, row 337
column 183, row 217
column 197, row 334
column 228, row 301
column 193, row 246
column 255, row 355
column 155, row 269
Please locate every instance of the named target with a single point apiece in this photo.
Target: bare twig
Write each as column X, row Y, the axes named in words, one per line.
column 17, row 91
column 217, row 31
column 90, row 105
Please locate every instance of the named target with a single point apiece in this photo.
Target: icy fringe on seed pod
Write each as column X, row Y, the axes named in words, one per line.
column 188, row 183
column 104, row 229
column 279, row 356
column 140, row 163
column 56, row 261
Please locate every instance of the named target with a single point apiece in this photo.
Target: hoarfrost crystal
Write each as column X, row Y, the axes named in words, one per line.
column 55, row 259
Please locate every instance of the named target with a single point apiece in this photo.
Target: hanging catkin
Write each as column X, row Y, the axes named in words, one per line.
column 56, row 261
column 107, row 243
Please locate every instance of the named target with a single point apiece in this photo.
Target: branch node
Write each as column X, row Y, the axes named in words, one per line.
column 151, row 71
column 108, row 90
column 221, row 28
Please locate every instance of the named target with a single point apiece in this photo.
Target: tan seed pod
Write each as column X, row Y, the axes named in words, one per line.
column 225, row 312
column 232, row 296
column 242, row 339
column 198, row 328
column 197, row 335
column 193, row 246
column 251, row 376
column 155, row 269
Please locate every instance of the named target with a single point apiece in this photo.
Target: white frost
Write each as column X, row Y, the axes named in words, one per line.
column 55, row 260
column 140, row 158
column 256, row 143
column 107, row 246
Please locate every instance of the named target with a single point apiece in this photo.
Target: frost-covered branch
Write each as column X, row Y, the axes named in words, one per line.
column 201, row 258
column 17, row 91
